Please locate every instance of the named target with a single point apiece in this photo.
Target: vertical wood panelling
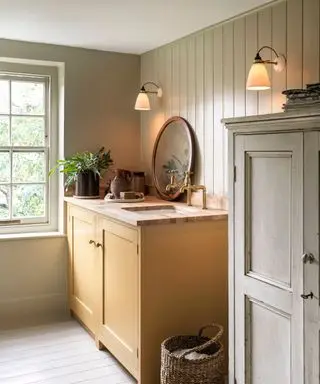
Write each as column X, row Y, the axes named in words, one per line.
column 264, row 38
column 145, row 164
column 279, row 42
column 183, row 79
column 199, row 109
column 161, row 73
column 294, row 43
column 191, row 51
column 310, row 41
column 175, row 96
column 204, row 77
column 218, row 170
column 251, row 50
column 147, row 74
column 208, row 110
column 227, row 57
column 168, row 81
column 239, row 65
column 158, row 109
column 228, row 92
column 158, row 112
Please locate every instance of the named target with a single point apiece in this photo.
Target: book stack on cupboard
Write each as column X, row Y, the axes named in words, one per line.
column 302, row 99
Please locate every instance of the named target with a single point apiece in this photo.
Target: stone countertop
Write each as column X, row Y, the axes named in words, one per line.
column 150, row 212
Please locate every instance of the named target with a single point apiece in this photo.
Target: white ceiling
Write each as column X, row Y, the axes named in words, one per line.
column 133, row 26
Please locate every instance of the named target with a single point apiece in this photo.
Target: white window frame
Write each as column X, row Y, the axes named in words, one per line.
column 49, row 75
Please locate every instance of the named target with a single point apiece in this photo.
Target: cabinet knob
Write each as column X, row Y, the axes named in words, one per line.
column 308, row 296
column 307, row 258
column 97, row 245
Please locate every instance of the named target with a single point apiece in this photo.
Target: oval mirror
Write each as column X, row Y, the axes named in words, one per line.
column 173, row 155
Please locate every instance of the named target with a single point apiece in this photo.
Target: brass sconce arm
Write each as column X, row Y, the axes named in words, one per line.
column 143, row 89
column 280, row 60
column 142, row 102
column 259, row 59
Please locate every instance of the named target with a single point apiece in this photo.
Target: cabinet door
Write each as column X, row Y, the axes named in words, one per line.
column 119, row 328
column 311, row 246
column 268, row 244
column 83, row 266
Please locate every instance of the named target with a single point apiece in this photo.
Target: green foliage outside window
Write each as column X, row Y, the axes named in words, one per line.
column 22, row 149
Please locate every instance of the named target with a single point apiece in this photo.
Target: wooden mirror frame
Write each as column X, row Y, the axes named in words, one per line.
column 191, row 139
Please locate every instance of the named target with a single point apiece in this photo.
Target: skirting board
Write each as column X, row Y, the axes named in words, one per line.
column 30, row 311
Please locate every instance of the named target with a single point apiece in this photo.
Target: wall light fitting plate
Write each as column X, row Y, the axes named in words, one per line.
column 280, row 63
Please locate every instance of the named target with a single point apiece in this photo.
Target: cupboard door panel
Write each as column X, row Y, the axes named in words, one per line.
column 84, row 267
column 119, row 330
column 265, row 350
column 268, row 215
column 268, row 249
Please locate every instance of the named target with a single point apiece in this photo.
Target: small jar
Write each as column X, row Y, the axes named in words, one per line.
column 138, row 182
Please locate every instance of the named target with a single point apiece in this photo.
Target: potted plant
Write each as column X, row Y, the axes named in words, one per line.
column 84, row 169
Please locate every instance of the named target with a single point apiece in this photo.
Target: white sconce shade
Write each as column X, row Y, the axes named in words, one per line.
column 258, row 78
column 142, row 102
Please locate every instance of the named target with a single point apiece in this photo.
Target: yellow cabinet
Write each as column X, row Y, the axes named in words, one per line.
column 84, row 266
column 118, row 329
column 134, row 286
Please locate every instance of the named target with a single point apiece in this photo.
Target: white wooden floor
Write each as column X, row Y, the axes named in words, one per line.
column 61, row 353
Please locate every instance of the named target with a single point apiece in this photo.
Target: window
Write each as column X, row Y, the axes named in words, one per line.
column 28, row 200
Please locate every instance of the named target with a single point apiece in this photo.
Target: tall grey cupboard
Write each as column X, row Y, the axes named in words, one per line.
column 274, row 320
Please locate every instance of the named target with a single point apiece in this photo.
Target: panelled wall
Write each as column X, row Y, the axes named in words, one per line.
column 203, row 77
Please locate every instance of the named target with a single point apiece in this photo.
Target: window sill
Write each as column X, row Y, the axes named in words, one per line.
column 38, row 235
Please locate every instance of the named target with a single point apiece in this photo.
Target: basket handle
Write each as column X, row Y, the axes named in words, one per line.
column 209, row 342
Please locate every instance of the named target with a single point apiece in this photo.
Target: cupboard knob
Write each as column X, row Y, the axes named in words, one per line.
column 97, row 245
column 309, row 295
column 307, row 258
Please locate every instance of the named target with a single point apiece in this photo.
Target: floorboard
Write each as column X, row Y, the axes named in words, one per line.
column 61, row 353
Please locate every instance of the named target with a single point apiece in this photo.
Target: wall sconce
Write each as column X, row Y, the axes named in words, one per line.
column 142, row 102
column 258, row 78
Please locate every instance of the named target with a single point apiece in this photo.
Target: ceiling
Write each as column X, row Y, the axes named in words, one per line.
column 132, row 26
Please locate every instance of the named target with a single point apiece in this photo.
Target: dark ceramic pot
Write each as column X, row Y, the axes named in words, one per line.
column 87, row 185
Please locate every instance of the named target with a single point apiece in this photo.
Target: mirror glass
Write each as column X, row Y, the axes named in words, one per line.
column 173, row 155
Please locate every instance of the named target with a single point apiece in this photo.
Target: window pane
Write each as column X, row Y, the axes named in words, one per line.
column 27, row 98
column 4, row 130
column 27, row 131
column 28, row 200
column 4, row 167
column 4, row 202
column 4, row 96
column 28, row 167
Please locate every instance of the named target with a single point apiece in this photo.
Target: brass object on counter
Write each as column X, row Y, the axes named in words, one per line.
column 187, row 186
column 204, row 194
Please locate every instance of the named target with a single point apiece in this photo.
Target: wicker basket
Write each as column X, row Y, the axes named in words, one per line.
column 177, row 369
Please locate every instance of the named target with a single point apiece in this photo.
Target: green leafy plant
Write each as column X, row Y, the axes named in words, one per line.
column 83, row 162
